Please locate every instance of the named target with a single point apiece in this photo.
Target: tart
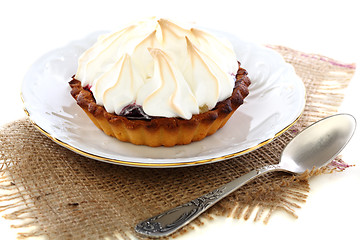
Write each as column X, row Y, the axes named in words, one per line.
column 159, row 89
column 158, row 131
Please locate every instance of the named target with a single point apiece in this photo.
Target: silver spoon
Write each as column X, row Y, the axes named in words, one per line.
column 315, row 146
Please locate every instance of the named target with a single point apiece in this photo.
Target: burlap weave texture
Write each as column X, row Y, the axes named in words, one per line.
column 62, row 195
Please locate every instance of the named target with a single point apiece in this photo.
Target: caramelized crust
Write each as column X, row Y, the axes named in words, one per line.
column 161, row 131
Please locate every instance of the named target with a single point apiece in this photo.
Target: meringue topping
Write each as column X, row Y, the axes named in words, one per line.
column 168, row 69
column 167, row 93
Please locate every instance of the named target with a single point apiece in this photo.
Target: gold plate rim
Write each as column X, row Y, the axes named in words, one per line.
column 158, row 165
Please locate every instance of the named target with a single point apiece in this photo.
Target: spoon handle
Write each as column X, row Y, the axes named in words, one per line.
column 170, row 221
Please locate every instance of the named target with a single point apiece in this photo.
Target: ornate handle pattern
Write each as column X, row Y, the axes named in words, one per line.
column 170, row 221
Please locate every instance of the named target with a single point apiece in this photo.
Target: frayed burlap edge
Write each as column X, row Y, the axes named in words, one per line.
column 17, row 204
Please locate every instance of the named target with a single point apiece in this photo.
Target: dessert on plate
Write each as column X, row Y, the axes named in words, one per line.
column 159, row 83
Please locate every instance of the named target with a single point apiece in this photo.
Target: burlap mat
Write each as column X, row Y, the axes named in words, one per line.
column 55, row 193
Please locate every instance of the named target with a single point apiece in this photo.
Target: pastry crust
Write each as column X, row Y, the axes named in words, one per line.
column 161, row 131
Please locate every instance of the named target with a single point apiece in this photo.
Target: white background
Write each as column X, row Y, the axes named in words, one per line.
column 31, row 28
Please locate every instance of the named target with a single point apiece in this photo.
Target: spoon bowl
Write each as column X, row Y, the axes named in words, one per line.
column 316, row 146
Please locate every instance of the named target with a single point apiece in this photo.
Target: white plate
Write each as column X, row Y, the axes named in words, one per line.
column 276, row 100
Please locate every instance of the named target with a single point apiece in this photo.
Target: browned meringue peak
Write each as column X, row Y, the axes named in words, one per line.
column 167, row 93
column 121, row 77
column 207, row 80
